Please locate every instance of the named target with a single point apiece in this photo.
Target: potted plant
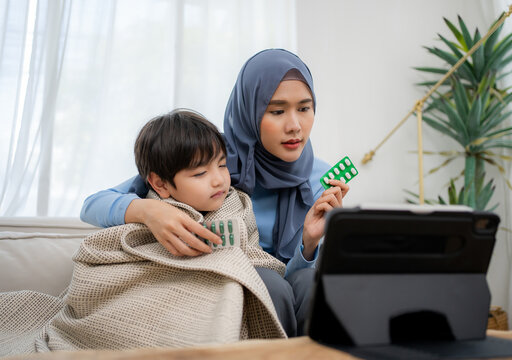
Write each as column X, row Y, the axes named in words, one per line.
column 471, row 108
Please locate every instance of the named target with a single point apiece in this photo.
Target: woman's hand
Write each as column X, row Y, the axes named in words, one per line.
column 173, row 228
column 314, row 223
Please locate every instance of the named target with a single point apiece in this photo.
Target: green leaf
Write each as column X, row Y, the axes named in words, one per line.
column 456, row 122
column 452, row 193
column 465, row 33
column 430, row 83
column 484, row 196
column 452, row 47
column 494, row 109
column 499, row 53
column 457, row 34
column 491, row 41
column 462, row 197
column 505, row 74
column 492, row 209
column 461, row 98
column 478, row 58
column 485, row 82
column 465, row 70
column 442, row 128
column 474, row 118
column 485, row 92
column 499, row 133
column 498, row 144
column 492, row 122
column 431, row 70
column 503, row 63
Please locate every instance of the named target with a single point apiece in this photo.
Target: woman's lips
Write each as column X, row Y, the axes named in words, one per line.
column 292, row 144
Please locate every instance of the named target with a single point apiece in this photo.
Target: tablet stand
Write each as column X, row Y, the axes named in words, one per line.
column 384, row 309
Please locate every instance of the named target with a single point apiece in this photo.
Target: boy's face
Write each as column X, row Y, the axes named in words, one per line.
column 205, row 187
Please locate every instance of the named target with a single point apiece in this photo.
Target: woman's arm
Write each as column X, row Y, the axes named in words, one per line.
column 171, row 227
column 108, row 207
column 298, row 261
column 306, row 253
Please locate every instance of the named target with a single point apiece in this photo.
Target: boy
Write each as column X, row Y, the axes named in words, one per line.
column 127, row 291
column 182, row 157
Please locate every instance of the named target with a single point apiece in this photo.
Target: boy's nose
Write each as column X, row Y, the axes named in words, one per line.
column 217, row 179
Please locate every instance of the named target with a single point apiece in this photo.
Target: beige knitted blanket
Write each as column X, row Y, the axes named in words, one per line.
column 127, row 291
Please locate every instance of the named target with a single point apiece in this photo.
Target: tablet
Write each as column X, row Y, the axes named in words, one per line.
column 372, row 239
column 393, row 273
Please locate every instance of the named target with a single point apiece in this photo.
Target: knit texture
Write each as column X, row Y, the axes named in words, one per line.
column 128, row 291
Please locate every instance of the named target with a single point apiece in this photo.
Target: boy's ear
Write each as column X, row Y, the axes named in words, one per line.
column 161, row 187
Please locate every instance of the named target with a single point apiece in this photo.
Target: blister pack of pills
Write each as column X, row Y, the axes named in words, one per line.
column 344, row 170
column 228, row 231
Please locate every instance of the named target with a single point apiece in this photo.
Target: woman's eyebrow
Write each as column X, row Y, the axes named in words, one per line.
column 282, row 102
column 277, row 102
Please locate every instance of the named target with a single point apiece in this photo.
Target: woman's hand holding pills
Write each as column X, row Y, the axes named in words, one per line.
column 314, row 223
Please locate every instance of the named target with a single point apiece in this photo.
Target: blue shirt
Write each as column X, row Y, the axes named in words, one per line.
column 107, row 208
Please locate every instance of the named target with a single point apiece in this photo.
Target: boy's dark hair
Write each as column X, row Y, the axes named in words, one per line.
column 175, row 141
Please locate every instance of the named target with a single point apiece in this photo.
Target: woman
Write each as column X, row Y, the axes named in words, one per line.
column 267, row 124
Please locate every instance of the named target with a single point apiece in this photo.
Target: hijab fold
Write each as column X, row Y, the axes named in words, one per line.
column 248, row 161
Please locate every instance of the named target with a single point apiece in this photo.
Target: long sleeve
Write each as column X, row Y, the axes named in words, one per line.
column 108, row 207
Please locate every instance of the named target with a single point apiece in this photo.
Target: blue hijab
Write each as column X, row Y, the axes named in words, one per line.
column 247, row 159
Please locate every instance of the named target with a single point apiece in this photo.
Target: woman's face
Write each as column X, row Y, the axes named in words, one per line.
column 287, row 121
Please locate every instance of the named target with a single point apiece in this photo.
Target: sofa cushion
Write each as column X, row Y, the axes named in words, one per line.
column 36, row 252
column 37, row 261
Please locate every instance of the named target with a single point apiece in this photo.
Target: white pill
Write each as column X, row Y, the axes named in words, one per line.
column 353, row 171
column 348, row 176
column 343, row 179
column 336, row 171
column 326, row 180
column 347, row 161
column 331, row 175
column 342, row 167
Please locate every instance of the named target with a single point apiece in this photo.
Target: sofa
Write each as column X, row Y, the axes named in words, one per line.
column 36, row 252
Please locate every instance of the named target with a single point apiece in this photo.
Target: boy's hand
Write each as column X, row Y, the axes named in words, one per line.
column 171, row 227
column 314, row 223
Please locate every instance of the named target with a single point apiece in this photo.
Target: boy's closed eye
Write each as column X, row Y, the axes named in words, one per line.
column 199, row 174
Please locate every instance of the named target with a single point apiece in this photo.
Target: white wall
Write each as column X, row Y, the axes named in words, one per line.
column 361, row 54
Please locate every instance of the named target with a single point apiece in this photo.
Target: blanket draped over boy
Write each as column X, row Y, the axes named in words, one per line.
column 128, row 291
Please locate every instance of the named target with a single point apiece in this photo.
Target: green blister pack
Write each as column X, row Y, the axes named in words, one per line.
column 228, row 231
column 344, row 170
